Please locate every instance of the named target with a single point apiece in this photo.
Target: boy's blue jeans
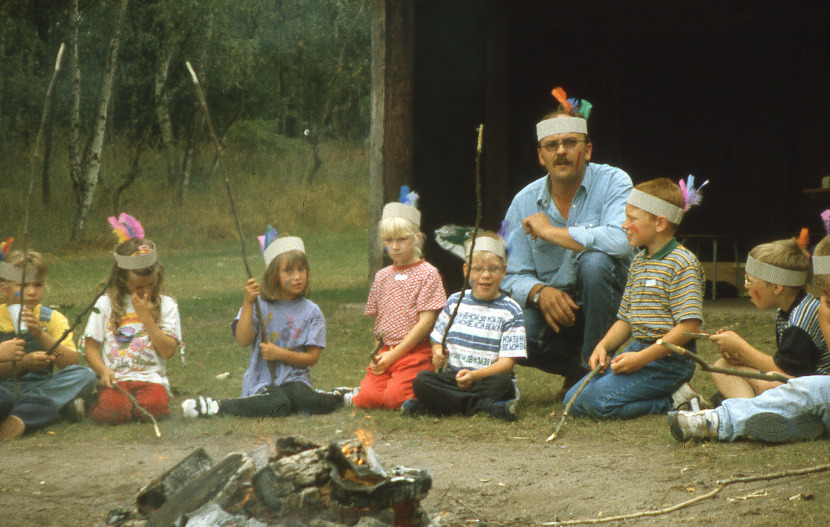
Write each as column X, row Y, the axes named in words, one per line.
column 598, row 290
column 627, row 395
column 802, row 397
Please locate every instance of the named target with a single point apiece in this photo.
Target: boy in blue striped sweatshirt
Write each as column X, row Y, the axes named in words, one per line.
column 486, row 337
column 663, row 299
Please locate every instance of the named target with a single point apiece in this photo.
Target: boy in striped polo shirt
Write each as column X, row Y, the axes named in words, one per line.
column 486, row 337
column 663, row 299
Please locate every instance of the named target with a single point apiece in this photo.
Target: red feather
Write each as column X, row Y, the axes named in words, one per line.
column 804, row 238
column 560, row 96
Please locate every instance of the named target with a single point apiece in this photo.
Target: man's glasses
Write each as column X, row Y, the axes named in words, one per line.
column 569, row 144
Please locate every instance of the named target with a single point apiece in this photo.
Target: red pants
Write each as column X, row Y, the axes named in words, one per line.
column 394, row 386
column 115, row 408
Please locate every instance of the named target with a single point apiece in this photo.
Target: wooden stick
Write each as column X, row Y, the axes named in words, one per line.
column 139, row 408
column 47, row 103
column 82, row 314
column 218, row 145
column 718, row 369
column 572, row 401
column 479, row 147
column 721, row 484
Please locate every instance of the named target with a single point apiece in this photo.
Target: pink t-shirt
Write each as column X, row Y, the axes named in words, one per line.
column 399, row 294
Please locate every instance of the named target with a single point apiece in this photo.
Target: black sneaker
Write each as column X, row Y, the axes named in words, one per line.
column 505, row 410
column 413, row 408
column 775, row 428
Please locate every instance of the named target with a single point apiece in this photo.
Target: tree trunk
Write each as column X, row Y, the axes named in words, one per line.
column 92, row 153
column 163, row 109
column 75, row 97
column 46, row 182
column 2, row 80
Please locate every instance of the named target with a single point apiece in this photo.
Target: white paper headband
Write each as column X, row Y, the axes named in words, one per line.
column 562, row 124
column 775, row 275
column 399, row 210
column 14, row 273
column 821, row 264
column 132, row 262
column 282, row 245
column 486, row 243
column 655, row 205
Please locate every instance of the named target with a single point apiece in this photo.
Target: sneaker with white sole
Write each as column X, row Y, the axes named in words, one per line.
column 201, row 407
column 682, row 397
column 348, row 393
column 685, row 425
column 775, row 428
column 505, row 410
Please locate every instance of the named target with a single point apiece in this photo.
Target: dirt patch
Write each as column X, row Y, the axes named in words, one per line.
column 502, row 482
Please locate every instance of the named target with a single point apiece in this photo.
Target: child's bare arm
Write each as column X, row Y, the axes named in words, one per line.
column 426, row 320
column 633, row 361
column 300, row 359
column 92, row 352
column 738, row 352
column 164, row 344
column 467, row 378
column 617, row 334
column 245, row 333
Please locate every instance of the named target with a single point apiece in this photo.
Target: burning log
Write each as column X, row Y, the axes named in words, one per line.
column 156, row 493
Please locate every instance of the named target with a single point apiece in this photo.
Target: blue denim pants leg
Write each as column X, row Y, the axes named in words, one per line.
column 60, row 387
column 802, row 396
column 644, row 392
column 599, row 288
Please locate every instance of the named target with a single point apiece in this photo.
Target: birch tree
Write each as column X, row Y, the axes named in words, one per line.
column 86, row 167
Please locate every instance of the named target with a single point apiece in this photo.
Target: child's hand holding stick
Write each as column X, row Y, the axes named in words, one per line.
column 777, row 377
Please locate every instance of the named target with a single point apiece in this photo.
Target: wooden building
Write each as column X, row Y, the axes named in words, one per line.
column 733, row 91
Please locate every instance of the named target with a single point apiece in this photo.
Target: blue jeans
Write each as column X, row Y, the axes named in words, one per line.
column 599, row 285
column 627, row 395
column 800, row 397
column 60, row 387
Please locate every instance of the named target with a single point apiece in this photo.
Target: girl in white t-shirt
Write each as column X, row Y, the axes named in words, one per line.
column 135, row 330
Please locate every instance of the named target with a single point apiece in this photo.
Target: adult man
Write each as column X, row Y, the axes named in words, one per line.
column 568, row 252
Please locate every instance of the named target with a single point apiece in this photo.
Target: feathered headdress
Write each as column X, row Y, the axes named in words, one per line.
column 691, row 195
column 575, row 107
column 821, row 264
column 406, row 208
column 6, row 245
column 127, row 228
column 825, row 218
column 273, row 246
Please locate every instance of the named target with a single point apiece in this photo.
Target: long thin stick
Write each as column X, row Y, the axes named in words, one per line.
column 218, row 145
column 721, row 484
column 47, row 102
column 718, row 369
column 472, row 241
column 570, row 404
column 81, row 315
column 139, row 408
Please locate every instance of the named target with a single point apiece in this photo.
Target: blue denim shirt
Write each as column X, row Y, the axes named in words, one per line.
column 595, row 222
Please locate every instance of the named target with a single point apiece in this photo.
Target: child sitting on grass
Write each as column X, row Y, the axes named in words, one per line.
column 134, row 331
column 776, row 273
column 278, row 379
column 56, row 377
column 405, row 299
column 663, row 299
column 484, row 341
column 798, row 409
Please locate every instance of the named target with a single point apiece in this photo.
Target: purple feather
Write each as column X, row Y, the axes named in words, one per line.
column 825, row 217
column 132, row 225
column 268, row 238
column 691, row 195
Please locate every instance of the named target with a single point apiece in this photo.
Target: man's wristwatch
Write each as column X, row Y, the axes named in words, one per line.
column 538, row 294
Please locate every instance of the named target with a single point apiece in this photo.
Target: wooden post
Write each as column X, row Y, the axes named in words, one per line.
column 390, row 153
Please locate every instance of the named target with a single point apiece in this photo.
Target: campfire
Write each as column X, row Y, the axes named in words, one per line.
column 291, row 484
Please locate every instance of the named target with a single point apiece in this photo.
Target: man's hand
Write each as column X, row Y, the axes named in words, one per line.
column 558, row 308
column 536, row 224
column 464, row 379
column 628, row 362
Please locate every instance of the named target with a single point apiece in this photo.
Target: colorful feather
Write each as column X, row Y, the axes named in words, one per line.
column 126, row 227
column 4, row 248
column 409, row 197
column 825, row 217
column 691, row 195
column 584, row 108
column 268, row 238
column 560, row 96
column 804, row 238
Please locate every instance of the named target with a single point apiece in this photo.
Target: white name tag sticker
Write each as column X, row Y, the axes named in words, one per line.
column 401, row 277
column 651, row 282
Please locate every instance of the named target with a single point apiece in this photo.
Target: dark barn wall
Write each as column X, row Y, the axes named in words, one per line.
column 734, row 92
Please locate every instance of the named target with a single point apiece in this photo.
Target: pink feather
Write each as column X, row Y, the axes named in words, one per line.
column 133, row 226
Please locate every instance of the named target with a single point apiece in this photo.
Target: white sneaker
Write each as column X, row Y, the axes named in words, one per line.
column 348, row 393
column 686, row 425
column 683, row 396
column 201, row 407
